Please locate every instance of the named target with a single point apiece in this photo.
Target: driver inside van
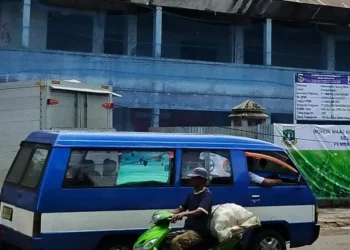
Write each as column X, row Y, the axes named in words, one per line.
column 256, row 179
column 197, row 209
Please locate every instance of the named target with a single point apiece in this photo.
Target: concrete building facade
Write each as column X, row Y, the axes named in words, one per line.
column 173, row 66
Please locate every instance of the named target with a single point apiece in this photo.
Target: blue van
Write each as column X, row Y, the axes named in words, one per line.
column 89, row 190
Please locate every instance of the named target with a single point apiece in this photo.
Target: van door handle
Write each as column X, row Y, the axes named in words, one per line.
column 255, row 196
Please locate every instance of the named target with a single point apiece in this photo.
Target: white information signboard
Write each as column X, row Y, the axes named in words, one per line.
column 320, row 97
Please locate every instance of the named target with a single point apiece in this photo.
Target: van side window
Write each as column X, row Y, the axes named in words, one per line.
column 28, row 165
column 35, row 168
column 120, row 168
column 271, row 164
column 217, row 162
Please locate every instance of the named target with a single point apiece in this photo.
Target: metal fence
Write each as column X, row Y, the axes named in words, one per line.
column 261, row 132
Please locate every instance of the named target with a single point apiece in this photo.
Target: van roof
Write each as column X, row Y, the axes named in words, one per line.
column 146, row 139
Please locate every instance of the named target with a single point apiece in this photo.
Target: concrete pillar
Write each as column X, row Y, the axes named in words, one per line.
column 26, row 23
column 329, row 52
column 130, row 47
column 98, row 33
column 268, row 42
column 155, row 118
column 157, row 32
column 237, row 44
column 157, row 52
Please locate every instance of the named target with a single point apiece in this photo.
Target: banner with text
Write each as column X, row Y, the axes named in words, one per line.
column 322, row 153
column 321, row 97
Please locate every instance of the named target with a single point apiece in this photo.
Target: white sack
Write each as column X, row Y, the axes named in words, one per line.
column 230, row 220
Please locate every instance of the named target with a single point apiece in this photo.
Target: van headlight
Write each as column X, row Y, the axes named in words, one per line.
column 147, row 246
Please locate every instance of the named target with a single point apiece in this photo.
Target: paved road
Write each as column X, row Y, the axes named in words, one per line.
column 336, row 242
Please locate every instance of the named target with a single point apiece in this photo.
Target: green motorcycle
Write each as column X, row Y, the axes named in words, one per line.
column 155, row 237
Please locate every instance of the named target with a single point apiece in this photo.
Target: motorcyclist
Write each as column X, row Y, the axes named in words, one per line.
column 197, row 209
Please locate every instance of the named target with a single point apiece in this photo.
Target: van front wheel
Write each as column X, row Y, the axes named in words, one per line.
column 115, row 245
column 267, row 239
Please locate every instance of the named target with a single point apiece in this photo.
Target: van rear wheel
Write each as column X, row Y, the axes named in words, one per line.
column 267, row 240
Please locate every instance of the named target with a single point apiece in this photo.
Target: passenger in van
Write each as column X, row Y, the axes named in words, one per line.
column 82, row 175
column 267, row 182
column 197, row 209
column 89, row 171
column 88, row 167
column 109, row 173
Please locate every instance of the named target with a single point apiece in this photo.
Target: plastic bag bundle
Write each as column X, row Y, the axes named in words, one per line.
column 231, row 220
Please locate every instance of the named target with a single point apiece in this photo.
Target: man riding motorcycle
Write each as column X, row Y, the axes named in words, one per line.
column 197, row 208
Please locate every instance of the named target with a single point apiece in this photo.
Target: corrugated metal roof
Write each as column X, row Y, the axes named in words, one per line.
column 224, row 6
column 320, row 11
column 236, row 6
column 333, row 3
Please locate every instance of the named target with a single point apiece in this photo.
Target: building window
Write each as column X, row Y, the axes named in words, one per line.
column 120, row 168
column 297, row 45
column 198, row 51
column 253, row 42
column 342, row 52
column 115, row 32
column 71, row 32
column 216, row 162
column 185, row 37
column 145, row 32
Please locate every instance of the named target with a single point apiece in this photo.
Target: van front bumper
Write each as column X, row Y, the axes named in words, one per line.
column 316, row 233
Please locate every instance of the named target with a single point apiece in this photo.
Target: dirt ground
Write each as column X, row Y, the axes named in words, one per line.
column 334, row 221
column 334, row 242
column 335, row 230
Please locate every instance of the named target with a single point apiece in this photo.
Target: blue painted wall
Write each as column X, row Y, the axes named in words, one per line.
column 162, row 83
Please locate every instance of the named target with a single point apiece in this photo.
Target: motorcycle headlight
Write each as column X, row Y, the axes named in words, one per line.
column 147, row 246
column 156, row 217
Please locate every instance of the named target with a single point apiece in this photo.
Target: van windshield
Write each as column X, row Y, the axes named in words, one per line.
column 28, row 165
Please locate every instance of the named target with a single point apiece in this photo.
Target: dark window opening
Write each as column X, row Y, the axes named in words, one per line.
column 145, row 32
column 254, row 43
column 115, row 33
column 342, row 52
column 297, row 45
column 198, row 51
column 195, row 38
column 71, row 32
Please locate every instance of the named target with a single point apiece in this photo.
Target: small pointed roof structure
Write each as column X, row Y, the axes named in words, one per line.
column 249, row 110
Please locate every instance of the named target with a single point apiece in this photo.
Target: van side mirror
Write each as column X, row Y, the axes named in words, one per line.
column 299, row 180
